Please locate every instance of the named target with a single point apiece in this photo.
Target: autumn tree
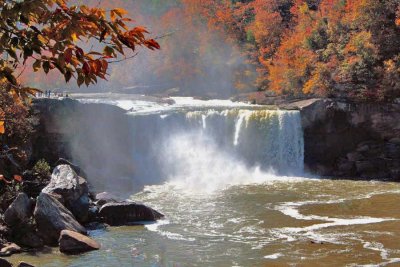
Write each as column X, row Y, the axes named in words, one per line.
column 78, row 41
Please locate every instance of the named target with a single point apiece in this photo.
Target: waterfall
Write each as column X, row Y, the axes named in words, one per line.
column 218, row 147
column 196, row 146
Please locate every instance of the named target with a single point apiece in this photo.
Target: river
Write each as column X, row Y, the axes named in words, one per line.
column 230, row 180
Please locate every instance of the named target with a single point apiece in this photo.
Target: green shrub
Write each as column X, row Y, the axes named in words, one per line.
column 42, row 169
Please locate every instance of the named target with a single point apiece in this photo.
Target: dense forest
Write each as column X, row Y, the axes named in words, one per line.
column 331, row 48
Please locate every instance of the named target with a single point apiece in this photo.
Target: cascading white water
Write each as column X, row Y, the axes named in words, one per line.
column 199, row 144
column 210, row 149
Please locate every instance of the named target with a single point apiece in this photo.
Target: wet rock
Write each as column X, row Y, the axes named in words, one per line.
column 72, row 189
column 19, row 211
column 392, row 150
column 104, row 198
column 124, row 213
column 52, row 217
column 73, row 243
column 365, row 166
column 346, row 167
column 24, row 264
column 355, row 156
column 31, row 240
column 10, row 249
column 5, row 263
column 96, row 226
column 395, row 141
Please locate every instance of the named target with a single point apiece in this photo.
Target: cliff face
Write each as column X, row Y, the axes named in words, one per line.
column 351, row 139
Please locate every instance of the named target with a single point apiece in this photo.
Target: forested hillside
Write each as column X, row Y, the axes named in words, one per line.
column 333, row 48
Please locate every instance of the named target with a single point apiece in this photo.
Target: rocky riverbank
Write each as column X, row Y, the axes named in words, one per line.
column 61, row 213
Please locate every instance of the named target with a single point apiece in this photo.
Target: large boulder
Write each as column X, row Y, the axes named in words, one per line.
column 123, row 213
column 74, row 243
column 52, row 217
column 19, row 211
column 71, row 190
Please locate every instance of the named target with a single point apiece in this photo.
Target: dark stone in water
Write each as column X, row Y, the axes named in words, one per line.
column 125, row 213
column 24, row 264
column 74, row 243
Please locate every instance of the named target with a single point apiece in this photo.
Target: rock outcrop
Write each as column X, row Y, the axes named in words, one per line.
column 52, row 217
column 351, row 139
column 123, row 213
column 74, row 243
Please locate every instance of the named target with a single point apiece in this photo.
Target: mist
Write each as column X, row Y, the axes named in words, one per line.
column 195, row 59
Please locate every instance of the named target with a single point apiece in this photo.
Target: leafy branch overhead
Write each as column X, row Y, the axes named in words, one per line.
column 51, row 34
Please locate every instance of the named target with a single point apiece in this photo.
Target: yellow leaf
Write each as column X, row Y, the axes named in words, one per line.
column 74, row 37
column 2, row 129
column 120, row 11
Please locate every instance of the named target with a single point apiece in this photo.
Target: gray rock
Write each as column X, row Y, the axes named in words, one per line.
column 124, row 213
column 71, row 190
column 346, row 167
column 31, row 240
column 5, row 263
column 73, row 243
column 392, row 150
column 104, row 198
column 395, row 141
column 24, row 264
column 19, row 211
column 355, row 156
column 52, row 217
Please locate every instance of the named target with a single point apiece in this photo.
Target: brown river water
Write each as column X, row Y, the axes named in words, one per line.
column 222, row 207
column 282, row 222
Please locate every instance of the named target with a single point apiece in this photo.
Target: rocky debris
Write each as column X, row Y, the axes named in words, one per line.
column 71, row 190
column 73, row 243
column 19, row 211
column 123, row 213
column 10, row 249
column 52, row 217
column 5, row 263
column 24, row 264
